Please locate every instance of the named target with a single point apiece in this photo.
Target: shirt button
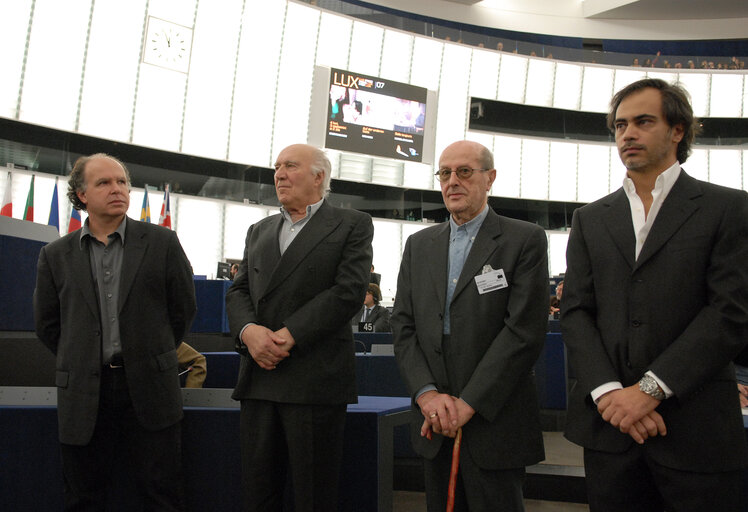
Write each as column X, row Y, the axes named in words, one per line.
column 113, row 319
column 109, row 295
column 454, row 280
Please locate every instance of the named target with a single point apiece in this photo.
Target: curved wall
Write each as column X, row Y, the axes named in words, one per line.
column 76, row 66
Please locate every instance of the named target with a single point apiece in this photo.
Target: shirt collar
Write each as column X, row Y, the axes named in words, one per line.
column 472, row 226
column 86, row 231
column 310, row 210
column 663, row 183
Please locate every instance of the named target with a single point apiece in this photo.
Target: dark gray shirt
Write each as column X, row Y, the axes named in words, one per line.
column 106, row 269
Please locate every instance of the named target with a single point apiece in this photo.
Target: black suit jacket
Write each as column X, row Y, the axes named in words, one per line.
column 679, row 310
column 379, row 316
column 313, row 289
column 156, row 309
column 496, row 337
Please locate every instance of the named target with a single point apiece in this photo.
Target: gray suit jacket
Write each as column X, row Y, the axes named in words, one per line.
column 496, row 337
column 313, row 289
column 156, row 309
column 680, row 310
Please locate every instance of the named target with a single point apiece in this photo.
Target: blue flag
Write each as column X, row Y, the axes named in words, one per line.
column 54, row 210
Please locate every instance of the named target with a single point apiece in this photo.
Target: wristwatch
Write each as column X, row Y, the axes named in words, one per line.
column 648, row 385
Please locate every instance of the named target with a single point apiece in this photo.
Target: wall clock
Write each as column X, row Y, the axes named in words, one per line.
column 167, row 44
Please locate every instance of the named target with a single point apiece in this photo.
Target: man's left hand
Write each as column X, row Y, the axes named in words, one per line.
column 285, row 334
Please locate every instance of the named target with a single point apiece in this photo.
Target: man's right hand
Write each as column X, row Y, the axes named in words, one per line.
column 439, row 412
column 264, row 346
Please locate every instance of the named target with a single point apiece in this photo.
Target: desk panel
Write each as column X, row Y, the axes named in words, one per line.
column 210, row 437
column 211, row 305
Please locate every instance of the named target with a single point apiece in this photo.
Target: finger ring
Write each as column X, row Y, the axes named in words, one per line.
column 432, row 415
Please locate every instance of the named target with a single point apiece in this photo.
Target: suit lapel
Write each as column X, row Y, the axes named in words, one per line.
column 136, row 243
column 438, row 252
column 319, row 226
column 80, row 259
column 486, row 242
column 676, row 209
column 617, row 219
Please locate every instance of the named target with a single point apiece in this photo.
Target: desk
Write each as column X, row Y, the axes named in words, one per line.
column 370, row 338
column 210, row 440
column 375, row 375
column 211, row 305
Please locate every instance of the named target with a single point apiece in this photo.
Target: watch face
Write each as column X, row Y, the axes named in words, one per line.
column 168, row 45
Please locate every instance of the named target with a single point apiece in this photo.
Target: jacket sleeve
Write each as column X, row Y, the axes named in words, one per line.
column 240, row 306
column 46, row 304
column 412, row 362
column 587, row 356
column 182, row 304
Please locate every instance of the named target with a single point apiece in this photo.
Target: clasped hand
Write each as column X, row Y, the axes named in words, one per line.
column 443, row 414
column 267, row 348
column 632, row 411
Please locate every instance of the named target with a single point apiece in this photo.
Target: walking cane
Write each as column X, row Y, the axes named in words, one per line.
column 453, row 471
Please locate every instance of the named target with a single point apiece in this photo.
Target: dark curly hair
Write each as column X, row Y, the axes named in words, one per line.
column 676, row 107
column 77, row 178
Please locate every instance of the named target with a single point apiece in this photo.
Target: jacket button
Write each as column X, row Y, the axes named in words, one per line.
column 628, row 364
column 636, row 323
column 438, row 350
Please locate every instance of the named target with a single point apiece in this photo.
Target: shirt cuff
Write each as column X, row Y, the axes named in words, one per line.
column 424, row 389
column 243, row 329
column 667, row 390
column 605, row 388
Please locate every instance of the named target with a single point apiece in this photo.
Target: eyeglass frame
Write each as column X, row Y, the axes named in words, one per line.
column 462, row 172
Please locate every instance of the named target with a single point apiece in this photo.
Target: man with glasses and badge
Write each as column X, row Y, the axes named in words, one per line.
column 469, row 322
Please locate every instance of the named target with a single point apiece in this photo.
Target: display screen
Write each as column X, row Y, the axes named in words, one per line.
column 370, row 115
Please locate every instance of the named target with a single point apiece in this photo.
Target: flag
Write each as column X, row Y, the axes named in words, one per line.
column 7, row 206
column 145, row 210
column 28, row 212
column 54, row 210
column 75, row 221
column 165, row 217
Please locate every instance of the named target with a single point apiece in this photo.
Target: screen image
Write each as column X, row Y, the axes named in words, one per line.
column 370, row 115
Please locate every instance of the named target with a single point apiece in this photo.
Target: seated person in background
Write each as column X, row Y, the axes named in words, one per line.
column 741, row 375
column 193, row 363
column 372, row 312
column 233, row 271
column 374, row 277
column 556, row 300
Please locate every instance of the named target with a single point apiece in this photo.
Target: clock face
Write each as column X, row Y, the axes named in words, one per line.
column 168, row 45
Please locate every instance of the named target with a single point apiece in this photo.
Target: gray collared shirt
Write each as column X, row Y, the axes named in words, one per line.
column 290, row 229
column 461, row 240
column 106, row 270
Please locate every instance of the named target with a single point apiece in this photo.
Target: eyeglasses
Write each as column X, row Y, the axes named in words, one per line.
column 462, row 172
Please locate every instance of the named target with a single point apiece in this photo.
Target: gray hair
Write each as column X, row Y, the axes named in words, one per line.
column 321, row 163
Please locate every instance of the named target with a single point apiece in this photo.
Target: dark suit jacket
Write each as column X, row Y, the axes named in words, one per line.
column 156, row 309
column 380, row 317
column 375, row 277
column 313, row 289
column 495, row 337
column 680, row 310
